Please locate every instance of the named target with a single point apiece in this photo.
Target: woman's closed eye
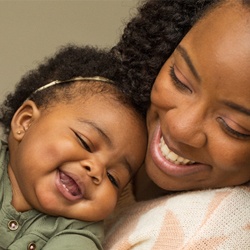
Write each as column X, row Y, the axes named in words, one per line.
column 177, row 82
column 232, row 132
column 82, row 142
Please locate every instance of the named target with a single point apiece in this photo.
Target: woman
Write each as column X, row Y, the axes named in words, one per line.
column 196, row 59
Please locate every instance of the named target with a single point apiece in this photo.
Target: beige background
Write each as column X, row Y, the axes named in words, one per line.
column 31, row 30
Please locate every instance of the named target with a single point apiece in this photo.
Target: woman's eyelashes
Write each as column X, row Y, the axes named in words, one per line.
column 181, row 86
column 177, row 82
column 231, row 131
column 82, row 142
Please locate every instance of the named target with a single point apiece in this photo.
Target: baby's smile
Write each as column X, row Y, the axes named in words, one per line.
column 68, row 187
column 69, row 184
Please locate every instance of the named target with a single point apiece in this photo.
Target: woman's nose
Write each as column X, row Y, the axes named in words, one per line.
column 187, row 127
column 95, row 170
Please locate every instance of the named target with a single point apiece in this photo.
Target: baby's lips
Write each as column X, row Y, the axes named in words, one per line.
column 71, row 185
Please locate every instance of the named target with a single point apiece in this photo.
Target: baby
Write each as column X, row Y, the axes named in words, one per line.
column 75, row 139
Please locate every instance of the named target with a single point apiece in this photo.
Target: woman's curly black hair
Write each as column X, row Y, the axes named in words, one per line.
column 151, row 37
column 69, row 62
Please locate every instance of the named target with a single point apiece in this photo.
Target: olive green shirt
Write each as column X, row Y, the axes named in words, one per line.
column 34, row 230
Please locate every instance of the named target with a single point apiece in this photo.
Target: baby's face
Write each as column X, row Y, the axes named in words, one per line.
column 200, row 112
column 73, row 160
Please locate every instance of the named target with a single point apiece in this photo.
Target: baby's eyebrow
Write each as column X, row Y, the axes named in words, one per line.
column 106, row 138
column 100, row 131
column 128, row 167
column 104, row 135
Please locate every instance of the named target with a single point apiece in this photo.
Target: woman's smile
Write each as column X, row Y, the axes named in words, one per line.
column 169, row 162
column 171, row 156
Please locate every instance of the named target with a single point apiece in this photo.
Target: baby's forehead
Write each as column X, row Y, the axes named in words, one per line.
column 106, row 92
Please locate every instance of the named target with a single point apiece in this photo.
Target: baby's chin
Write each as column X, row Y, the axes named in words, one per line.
column 76, row 212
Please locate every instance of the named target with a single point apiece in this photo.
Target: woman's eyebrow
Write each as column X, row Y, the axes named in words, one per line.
column 187, row 59
column 237, row 107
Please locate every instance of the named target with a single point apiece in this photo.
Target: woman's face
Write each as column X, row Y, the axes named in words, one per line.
column 199, row 120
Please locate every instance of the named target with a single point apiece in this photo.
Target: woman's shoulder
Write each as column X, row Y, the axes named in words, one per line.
column 194, row 201
column 208, row 219
column 207, row 197
column 202, row 202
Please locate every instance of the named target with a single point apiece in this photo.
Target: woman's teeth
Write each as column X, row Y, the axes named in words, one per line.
column 171, row 156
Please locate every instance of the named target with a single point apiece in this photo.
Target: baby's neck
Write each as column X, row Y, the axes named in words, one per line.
column 18, row 201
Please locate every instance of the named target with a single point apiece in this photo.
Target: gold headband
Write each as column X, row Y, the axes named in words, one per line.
column 79, row 78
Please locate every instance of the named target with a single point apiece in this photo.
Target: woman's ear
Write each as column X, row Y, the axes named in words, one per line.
column 23, row 118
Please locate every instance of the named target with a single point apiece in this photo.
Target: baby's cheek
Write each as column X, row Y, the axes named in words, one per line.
column 109, row 202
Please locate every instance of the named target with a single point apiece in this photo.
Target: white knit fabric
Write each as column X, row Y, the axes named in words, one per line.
column 199, row 220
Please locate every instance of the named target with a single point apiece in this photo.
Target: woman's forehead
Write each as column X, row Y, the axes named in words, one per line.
column 219, row 49
column 219, row 40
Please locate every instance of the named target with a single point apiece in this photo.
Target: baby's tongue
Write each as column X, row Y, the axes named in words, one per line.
column 69, row 184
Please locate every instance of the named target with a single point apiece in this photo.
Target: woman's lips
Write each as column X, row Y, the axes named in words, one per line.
column 168, row 161
column 68, row 186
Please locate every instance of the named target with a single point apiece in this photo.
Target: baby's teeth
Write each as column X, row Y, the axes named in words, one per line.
column 65, row 187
